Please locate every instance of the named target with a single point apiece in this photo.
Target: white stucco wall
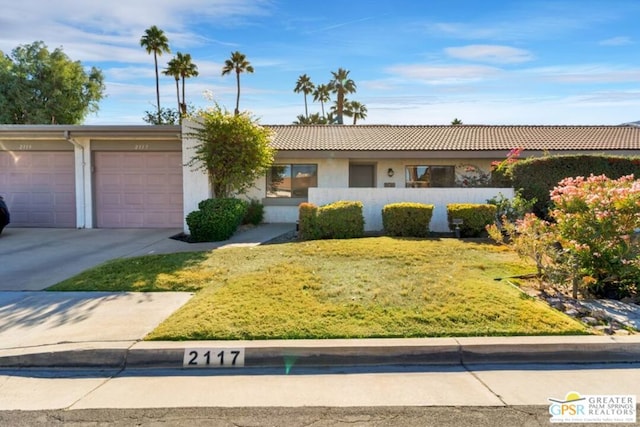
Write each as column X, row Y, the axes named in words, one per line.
column 195, row 182
column 374, row 199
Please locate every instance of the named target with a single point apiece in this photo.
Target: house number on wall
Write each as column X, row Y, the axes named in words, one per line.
column 141, row 147
column 25, row 147
column 213, row 357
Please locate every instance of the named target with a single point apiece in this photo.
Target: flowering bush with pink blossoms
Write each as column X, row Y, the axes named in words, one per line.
column 598, row 221
column 593, row 238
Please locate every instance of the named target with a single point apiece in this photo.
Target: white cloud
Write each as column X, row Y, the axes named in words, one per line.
column 587, row 74
column 490, row 53
column 444, row 74
column 616, row 41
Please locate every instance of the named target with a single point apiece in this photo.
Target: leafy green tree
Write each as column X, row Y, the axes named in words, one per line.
column 238, row 63
column 42, row 87
column 341, row 85
column 322, row 94
column 181, row 67
column 154, row 40
column 168, row 116
column 234, row 150
column 306, row 86
column 355, row 109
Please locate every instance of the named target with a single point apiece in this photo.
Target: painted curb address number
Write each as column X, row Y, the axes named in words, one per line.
column 213, row 357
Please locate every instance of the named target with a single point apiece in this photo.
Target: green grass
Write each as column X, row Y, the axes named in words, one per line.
column 372, row 287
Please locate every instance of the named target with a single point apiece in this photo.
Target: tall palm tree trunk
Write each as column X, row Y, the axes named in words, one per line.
column 306, row 112
column 155, row 60
column 178, row 94
column 184, row 102
column 340, row 105
column 238, row 93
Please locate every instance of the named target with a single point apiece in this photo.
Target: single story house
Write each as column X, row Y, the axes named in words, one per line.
column 134, row 176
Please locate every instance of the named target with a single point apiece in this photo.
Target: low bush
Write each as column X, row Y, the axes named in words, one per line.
column 339, row 220
column 407, row 219
column 475, row 217
column 511, row 209
column 255, row 213
column 308, row 222
column 216, row 219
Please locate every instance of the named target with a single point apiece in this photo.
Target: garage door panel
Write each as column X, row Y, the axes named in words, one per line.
column 39, row 188
column 136, row 199
column 138, row 189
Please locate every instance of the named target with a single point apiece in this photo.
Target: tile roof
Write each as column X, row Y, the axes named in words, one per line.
column 454, row 138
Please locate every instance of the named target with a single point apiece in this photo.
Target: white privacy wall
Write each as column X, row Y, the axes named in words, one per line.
column 374, row 199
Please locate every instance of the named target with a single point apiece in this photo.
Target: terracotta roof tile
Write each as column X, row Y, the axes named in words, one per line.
column 454, row 138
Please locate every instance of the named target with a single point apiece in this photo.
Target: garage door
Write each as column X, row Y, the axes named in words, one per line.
column 138, row 189
column 39, row 188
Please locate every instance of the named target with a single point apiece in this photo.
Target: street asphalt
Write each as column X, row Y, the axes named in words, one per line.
column 106, row 330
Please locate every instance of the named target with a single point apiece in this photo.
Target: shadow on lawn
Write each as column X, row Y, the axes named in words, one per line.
column 151, row 273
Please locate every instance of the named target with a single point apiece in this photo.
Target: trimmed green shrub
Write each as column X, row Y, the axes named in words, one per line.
column 216, row 219
column 308, row 222
column 407, row 219
column 255, row 213
column 339, row 220
column 475, row 217
column 537, row 177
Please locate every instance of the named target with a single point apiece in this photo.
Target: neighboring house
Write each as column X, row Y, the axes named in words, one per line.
column 134, row 176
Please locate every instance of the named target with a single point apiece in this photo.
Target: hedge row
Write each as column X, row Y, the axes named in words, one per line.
column 407, row 219
column 536, row 177
column 339, row 220
column 344, row 219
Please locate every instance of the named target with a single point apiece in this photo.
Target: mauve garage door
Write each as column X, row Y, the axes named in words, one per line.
column 39, row 188
column 138, row 189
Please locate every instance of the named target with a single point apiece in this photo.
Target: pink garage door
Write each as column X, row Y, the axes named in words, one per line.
column 138, row 189
column 39, row 188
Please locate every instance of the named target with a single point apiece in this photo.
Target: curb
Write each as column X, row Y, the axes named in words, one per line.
column 327, row 353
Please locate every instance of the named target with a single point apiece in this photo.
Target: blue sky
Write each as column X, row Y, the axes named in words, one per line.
column 414, row 62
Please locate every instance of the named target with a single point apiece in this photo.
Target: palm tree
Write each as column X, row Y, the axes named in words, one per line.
column 187, row 69
column 322, row 93
column 154, row 40
column 238, row 63
column 305, row 86
column 341, row 85
column 181, row 67
column 355, row 109
column 173, row 69
column 456, row 122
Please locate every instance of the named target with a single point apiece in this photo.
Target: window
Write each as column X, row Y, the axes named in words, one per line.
column 430, row 176
column 292, row 181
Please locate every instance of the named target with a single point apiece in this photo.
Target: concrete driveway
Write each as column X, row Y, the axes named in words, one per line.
column 32, row 259
column 36, row 258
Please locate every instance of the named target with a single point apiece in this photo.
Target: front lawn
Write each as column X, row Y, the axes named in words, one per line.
column 371, row 287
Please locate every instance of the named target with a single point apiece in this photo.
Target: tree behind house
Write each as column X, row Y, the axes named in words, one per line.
column 42, row 87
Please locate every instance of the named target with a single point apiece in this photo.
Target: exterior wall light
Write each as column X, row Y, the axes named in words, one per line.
column 390, row 172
